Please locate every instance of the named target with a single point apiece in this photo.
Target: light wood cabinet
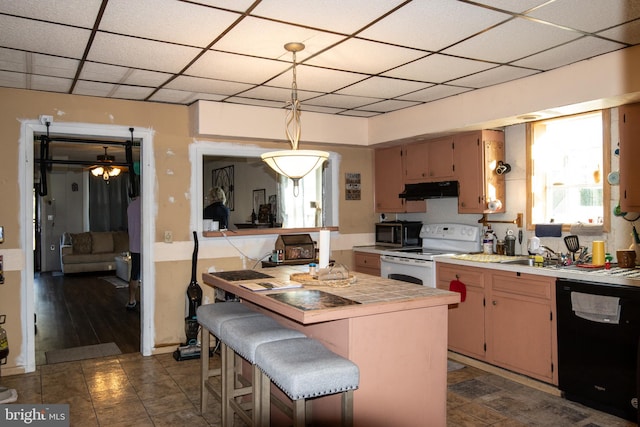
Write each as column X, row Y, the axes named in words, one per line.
column 521, row 324
column 389, row 182
column 466, row 319
column 429, row 161
column 367, row 263
column 629, row 129
column 507, row 320
column 476, row 156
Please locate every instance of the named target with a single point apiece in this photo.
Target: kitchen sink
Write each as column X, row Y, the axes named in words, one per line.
column 518, row 261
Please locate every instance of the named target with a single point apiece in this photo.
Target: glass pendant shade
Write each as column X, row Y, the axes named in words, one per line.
column 294, row 163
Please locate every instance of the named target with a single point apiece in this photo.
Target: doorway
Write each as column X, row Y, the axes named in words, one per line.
column 28, row 130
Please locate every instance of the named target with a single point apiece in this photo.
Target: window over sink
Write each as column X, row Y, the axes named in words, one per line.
column 567, row 163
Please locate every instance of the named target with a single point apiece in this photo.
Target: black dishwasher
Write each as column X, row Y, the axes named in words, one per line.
column 598, row 354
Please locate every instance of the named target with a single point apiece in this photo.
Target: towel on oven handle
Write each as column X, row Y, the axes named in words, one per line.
column 596, row 308
column 458, row 286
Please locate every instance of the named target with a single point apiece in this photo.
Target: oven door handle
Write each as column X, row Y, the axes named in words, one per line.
column 400, row 260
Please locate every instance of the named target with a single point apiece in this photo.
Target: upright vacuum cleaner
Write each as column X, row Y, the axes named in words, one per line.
column 191, row 349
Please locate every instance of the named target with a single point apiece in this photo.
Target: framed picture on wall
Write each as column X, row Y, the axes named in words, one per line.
column 258, row 199
column 223, row 178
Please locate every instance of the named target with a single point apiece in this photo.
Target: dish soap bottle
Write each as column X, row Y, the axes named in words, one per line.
column 487, row 241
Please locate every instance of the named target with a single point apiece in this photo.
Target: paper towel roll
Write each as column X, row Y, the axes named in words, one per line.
column 324, row 243
column 597, row 257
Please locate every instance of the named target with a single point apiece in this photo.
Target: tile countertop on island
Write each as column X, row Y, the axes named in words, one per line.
column 614, row 276
column 373, row 294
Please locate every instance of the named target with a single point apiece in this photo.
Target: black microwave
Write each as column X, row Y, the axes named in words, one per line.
column 398, row 233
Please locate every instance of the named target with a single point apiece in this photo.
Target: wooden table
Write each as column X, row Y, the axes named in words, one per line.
column 395, row 332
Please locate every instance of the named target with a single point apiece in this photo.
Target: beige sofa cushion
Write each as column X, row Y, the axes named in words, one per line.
column 101, row 242
column 81, row 243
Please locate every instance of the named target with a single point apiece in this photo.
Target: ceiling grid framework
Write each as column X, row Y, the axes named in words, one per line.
column 362, row 58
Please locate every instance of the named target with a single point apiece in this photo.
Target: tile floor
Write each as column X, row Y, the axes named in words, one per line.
column 131, row 390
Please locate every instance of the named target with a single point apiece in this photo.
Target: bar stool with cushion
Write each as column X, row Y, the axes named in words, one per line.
column 211, row 317
column 303, row 368
column 242, row 336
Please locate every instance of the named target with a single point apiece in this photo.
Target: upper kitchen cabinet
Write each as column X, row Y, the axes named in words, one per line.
column 475, row 156
column 429, row 161
column 629, row 124
column 389, row 182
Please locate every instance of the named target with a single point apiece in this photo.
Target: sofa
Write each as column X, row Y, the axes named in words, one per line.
column 92, row 251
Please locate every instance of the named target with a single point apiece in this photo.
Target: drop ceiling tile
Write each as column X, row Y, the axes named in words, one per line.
column 54, row 66
column 364, row 57
column 342, row 16
column 382, row 87
column 439, row 68
column 317, row 79
column 197, row 84
column 266, row 39
column 434, row 93
column 131, row 92
column 511, row 41
column 172, row 96
column 600, row 15
column 256, row 102
column 390, row 105
column 13, row 60
column 432, row 25
column 575, row 51
column 138, row 53
column 320, row 109
column 71, row 12
column 493, row 76
column 50, row 84
column 342, row 101
column 166, row 20
column 278, row 94
column 236, row 5
column 42, row 37
column 627, row 33
column 93, row 88
column 519, row 6
column 116, row 74
column 13, row 79
column 236, row 68
column 359, row 113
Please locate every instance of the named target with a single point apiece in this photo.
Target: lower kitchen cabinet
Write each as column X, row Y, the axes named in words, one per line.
column 367, row 263
column 507, row 320
column 466, row 319
column 521, row 323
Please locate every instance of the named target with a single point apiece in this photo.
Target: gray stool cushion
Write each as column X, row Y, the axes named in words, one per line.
column 304, row 368
column 246, row 334
column 212, row 316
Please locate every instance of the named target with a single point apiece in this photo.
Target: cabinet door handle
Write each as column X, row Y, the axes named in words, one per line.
column 494, row 302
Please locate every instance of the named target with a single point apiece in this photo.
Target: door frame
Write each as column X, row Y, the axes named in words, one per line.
column 147, row 166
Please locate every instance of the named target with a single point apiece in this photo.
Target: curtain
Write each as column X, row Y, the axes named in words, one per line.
column 108, row 201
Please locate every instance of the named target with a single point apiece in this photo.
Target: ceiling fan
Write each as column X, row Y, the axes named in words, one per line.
column 104, row 169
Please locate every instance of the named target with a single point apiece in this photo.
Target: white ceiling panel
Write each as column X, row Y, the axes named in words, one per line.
column 81, row 13
column 236, row 68
column 197, row 84
column 382, row 87
column 512, row 40
column 390, row 105
column 493, row 76
column 43, row 37
column 153, row 49
column 433, row 25
column 574, row 51
column 166, row 20
column 342, row 16
column 602, row 14
column 434, row 93
column 439, row 68
column 365, row 57
column 138, row 53
column 266, row 39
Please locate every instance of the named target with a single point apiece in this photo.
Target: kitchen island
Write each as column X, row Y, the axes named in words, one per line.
column 395, row 332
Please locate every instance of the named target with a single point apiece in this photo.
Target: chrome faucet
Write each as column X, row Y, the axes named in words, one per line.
column 549, row 252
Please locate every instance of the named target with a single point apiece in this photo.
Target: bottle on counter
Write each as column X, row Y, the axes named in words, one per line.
column 487, row 241
column 510, row 243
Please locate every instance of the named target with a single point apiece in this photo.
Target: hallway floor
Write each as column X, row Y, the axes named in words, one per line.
column 131, row 390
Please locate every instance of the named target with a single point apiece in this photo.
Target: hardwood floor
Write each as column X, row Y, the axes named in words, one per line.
column 82, row 309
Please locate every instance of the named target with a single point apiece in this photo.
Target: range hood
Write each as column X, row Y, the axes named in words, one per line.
column 430, row 190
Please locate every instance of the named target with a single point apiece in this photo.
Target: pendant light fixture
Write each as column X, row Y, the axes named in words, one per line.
column 294, row 163
column 106, row 171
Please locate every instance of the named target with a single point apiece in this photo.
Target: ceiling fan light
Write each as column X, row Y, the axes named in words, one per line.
column 114, row 171
column 98, row 171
